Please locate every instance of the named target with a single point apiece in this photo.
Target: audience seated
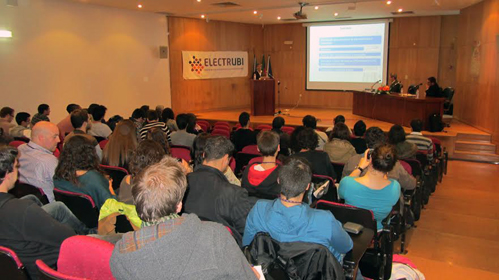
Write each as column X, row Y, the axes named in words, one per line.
column 244, row 136
column 168, row 117
column 65, row 126
column 181, row 247
column 337, row 119
column 80, row 123
column 373, row 191
column 159, row 111
column 293, row 145
column 288, row 219
column 22, row 129
column 78, row 171
column 339, row 148
column 182, row 137
column 6, row 118
column 424, row 144
column 319, row 161
column 152, row 122
column 138, row 117
column 192, row 126
column 311, row 122
column 42, row 115
column 113, row 121
column 37, row 160
column 98, row 128
column 358, row 142
column 284, row 138
column 396, row 137
column 121, row 143
column 376, row 137
column 260, row 179
column 211, row 196
column 157, row 135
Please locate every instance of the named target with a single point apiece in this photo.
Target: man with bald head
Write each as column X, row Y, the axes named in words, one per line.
column 37, row 160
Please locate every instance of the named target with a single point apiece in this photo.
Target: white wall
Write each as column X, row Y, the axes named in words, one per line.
column 64, row 52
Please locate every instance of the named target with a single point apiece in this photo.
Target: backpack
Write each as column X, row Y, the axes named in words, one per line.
column 435, row 123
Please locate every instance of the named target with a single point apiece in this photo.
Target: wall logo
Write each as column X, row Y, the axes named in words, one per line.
column 213, row 65
column 196, row 65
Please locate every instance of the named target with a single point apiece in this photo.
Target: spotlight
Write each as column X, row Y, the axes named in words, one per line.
column 400, row 10
column 388, row 2
column 139, row 6
column 316, row 7
column 278, row 18
column 336, row 14
column 255, row 12
column 202, row 16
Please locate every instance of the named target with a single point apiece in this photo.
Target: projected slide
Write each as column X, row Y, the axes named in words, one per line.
column 346, row 56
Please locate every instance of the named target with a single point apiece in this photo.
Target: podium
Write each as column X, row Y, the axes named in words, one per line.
column 262, row 97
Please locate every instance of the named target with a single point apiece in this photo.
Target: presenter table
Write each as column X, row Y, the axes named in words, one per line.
column 396, row 108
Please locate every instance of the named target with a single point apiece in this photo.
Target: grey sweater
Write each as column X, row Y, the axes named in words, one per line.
column 191, row 250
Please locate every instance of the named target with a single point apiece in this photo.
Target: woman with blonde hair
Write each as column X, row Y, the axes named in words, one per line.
column 121, row 143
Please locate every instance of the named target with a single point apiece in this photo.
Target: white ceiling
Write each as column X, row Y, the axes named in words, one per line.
column 269, row 10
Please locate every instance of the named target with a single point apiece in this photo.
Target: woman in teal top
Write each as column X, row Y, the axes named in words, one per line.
column 373, row 191
column 78, row 170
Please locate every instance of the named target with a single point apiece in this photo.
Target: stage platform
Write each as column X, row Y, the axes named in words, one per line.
column 462, row 141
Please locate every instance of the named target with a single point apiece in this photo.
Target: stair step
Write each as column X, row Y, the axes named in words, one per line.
column 474, row 156
column 479, row 147
column 482, row 138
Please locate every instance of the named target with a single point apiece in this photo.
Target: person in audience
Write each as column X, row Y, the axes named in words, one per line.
column 396, row 137
column 6, row 118
column 260, row 179
column 152, row 122
column 65, row 126
column 358, row 142
column 288, row 219
column 157, row 135
column 395, row 85
column 22, row 129
column 78, row 171
column 148, row 152
column 376, row 137
column 373, row 191
column 211, row 196
column 99, row 129
column 339, row 148
column 80, row 123
column 181, row 247
column 244, row 136
column 27, row 229
column 294, row 146
column 138, row 117
column 91, row 108
column 284, row 138
column 319, row 161
column 169, row 118
column 159, row 111
column 432, row 88
column 311, row 122
column 424, row 144
column 122, row 143
column 37, row 158
column 145, row 108
column 192, row 126
column 42, row 115
column 113, row 121
column 182, row 137
column 337, row 119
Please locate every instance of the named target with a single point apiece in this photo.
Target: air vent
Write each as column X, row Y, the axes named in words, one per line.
column 226, row 4
column 403, row 13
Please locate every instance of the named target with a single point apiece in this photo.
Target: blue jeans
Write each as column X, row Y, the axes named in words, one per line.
column 61, row 213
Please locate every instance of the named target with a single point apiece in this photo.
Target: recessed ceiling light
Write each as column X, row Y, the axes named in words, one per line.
column 255, row 12
column 278, row 18
column 139, row 6
column 336, row 14
column 5, row 34
column 199, row 1
column 202, row 16
column 400, row 10
column 316, row 7
column 388, row 2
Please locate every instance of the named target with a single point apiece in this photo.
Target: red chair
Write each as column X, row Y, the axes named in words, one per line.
column 406, row 166
column 22, row 189
column 232, row 164
column 264, row 127
column 223, row 123
column 288, row 129
column 221, row 132
column 91, row 261
column 11, row 266
column 181, row 152
column 57, row 153
column 82, row 206
column 16, row 143
column 251, row 149
column 47, row 273
column 116, row 173
column 103, row 143
column 204, row 125
column 222, row 127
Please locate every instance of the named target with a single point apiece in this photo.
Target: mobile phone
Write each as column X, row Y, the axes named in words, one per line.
column 369, row 153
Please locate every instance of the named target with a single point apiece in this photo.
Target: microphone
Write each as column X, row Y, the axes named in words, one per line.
column 420, row 84
column 375, row 84
column 278, row 82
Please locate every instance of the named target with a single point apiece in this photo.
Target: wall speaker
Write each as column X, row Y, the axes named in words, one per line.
column 163, row 52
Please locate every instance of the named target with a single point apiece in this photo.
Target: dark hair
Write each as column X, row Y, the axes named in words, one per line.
column 294, row 176
column 8, row 156
column 157, row 135
column 278, row 123
column 198, row 148
column 113, row 121
column 217, row 147
column 244, row 118
column 145, row 108
column 359, row 128
column 99, row 112
column 417, row 125
column 384, row 158
column 268, row 142
column 6, row 111
column 182, row 121
column 138, row 113
column 396, row 134
column 78, row 117
column 42, row 108
column 92, row 107
column 191, row 123
column 78, row 154
column 148, row 152
column 159, row 110
column 167, row 114
column 393, row 76
column 339, row 119
column 340, row 131
column 71, row 107
column 158, row 189
column 308, row 139
column 22, row 117
column 309, row 121
column 374, row 137
column 294, row 145
column 152, row 115
column 432, row 80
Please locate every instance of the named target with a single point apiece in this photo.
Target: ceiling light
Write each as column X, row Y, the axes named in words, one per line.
column 316, row 7
column 199, row 1
column 278, row 18
column 388, row 2
column 5, row 34
column 336, row 14
column 400, row 10
column 139, row 6
column 202, row 16
column 255, row 12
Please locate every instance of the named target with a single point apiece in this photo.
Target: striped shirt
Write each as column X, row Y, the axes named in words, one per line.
column 424, row 144
column 160, row 125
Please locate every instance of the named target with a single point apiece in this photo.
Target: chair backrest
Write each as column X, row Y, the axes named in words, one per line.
column 103, row 143
column 82, row 206
column 11, row 265
column 242, row 159
column 222, row 132
column 406, row 166
column 24, row 139
column 347, row 213
column 116, row 173
column 251, row 149
column 205, row 126
column 264, row 127
column 181, row 152
column 91, row 261
column 288, row 129
column 22, row 189
column 332, row 193
column 417, row 170
column 338, row 169
column 232, row 164
column 47, row 273
column 448, row 93
column 16, row 143
column 222, row 123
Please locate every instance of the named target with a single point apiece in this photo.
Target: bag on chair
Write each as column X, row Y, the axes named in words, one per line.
column 435, row 123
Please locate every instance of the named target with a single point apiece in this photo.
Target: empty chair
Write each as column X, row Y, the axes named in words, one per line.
column 205, row 125
column 116, row 173
column 82, row 206
column 16, row 143
column 221, row 132
column 251, row 149
column 181, row 152
column 264, row 127
column 332, row 193
column 221, row 127
column 47, row 273
column 288, row 129
column 11, row 266
column 222, row 124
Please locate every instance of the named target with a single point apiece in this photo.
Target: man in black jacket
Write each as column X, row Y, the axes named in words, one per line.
column 211, row 196
column 432, row 88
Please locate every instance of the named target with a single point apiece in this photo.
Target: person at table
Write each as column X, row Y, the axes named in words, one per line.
column 432, row 88
column 373, row 191
column 395, row 85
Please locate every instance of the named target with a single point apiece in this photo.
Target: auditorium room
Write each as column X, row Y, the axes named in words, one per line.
column 237, row 139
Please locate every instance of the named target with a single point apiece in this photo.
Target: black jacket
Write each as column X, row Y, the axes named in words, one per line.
column 210, row 196
column 319, row 162
column 359, row 144
column 30, row 232
column 242, row 138
column 434, row 91
column 267, row 189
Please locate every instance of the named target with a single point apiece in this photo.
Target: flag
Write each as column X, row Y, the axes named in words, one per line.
column 263, row 66
column 269, row 69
